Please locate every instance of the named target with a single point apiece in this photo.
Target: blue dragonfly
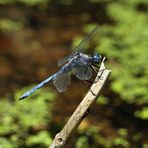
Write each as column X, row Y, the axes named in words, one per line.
column 79, row 64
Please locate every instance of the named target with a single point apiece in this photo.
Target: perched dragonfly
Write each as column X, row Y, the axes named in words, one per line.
column 78, row 64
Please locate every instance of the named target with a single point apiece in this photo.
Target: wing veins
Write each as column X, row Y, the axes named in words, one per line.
column 79, row 47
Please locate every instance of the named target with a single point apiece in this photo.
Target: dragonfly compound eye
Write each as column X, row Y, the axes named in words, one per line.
column 96, row 58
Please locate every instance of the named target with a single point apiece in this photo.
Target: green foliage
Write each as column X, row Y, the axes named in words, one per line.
column 5, row 143
column 32, row 2
column 93, row 132
column 28, row 2
column 42, row 138
column 82, row 142
column 6, row 1
column 8, row 25
column 102, row 100
column 145, row 146
column 142, row 113
column 20, row 118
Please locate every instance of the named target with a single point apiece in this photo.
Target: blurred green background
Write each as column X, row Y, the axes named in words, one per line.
column 34, row 34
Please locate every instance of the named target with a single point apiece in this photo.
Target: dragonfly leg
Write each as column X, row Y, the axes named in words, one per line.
column 88, row 81
column 96, row 65
column 84, row 82
column 93, row 69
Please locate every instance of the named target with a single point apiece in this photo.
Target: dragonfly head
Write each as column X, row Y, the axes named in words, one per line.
column 96, row 58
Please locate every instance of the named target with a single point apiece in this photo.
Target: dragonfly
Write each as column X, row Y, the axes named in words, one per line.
column 78, row 63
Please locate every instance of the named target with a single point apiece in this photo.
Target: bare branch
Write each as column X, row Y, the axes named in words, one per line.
column 82, row 110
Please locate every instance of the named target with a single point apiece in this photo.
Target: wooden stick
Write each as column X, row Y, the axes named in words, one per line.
column 82, row 110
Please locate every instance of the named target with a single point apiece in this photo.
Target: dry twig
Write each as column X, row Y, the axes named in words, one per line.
column 79, row 114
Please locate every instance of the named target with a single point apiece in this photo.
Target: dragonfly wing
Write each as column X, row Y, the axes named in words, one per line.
column 84, row 73
column 62, row 81
column 84, row 41
column 78, row 48
column 63, row 61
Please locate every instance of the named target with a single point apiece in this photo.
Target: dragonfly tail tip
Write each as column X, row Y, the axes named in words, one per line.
column 22, row 97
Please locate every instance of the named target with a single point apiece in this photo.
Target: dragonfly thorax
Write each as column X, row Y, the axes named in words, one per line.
column 85, row 60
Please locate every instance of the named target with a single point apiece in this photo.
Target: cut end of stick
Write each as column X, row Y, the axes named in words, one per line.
column 103, row 59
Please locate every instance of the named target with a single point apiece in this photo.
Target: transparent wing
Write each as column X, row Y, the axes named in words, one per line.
column 78, row 48
column 62, row 81
column 84, row 41
column 63, row 61
column 84, row 73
